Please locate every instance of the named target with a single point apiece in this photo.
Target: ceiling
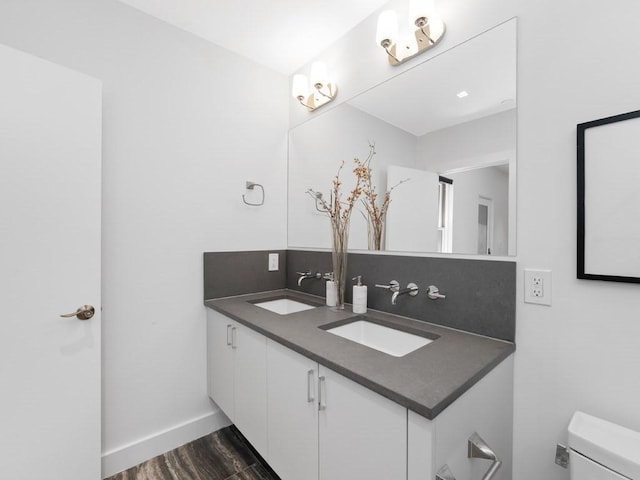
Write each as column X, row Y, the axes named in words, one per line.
column 280, row 34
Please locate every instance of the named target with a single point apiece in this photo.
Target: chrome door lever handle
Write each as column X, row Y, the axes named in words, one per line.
column 85, row 312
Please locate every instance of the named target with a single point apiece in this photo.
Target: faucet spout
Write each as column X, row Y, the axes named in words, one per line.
column 306, row 275
column 412, row 289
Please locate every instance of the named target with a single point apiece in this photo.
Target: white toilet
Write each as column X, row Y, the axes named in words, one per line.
column 601, row 450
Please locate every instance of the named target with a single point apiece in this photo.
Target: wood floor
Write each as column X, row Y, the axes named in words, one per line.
column 223, row 455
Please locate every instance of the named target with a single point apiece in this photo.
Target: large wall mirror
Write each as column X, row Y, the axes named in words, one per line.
column 448, row 127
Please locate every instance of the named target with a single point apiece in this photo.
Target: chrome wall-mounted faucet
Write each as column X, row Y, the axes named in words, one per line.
column 306, row 275
column 412, row 289
column 394, row 286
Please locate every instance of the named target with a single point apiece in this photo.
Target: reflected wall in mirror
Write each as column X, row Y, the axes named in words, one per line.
column 458, row 152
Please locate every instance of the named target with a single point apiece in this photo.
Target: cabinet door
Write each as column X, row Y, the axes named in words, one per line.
column 250, row 392
column 362, row 435
column 220, row 361
column 292, row 413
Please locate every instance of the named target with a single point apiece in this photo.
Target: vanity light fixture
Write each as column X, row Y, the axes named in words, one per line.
column 462, row 94
column 321, row 91
column 426, row 29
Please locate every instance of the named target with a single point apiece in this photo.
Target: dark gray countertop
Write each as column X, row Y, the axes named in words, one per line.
column 426, row 380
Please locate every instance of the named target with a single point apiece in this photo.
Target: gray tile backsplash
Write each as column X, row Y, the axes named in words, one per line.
column 236, row 273
column 480, row 293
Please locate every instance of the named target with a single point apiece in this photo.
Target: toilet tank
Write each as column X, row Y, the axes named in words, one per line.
column 601, row 450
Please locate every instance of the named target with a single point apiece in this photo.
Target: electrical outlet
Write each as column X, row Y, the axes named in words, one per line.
column 537, row 286
column 273, row 262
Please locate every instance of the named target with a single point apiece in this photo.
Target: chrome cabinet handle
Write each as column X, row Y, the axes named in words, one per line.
column 311, row 396
column 85, row 312
column 322, row 403
column 233, row 337
column 228, row 339
column 478, row 448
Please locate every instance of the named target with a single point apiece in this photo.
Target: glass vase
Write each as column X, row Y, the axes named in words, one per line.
column 339, row 241
column 375, row 231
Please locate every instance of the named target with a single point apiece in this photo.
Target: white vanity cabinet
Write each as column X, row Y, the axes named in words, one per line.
column 327, row 427
column 311, row 423
column 237, row 376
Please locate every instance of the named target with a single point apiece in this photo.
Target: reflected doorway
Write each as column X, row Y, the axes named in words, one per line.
column 485, row 226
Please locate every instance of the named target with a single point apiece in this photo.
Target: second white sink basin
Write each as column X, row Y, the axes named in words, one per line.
column 284, row 306
column 384, row 339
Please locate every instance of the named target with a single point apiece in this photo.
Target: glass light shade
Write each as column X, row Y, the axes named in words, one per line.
column 387, row 27
column 300, row 87
column 318, row 74
column 420, row 9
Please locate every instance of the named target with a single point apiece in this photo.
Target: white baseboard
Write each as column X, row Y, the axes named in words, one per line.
column 128, row 456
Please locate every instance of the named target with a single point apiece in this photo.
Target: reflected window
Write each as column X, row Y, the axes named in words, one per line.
column 445, row 215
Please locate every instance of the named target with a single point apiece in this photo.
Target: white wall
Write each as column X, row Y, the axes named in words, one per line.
column 185, row 125
column 487, row 141
column 576, row 62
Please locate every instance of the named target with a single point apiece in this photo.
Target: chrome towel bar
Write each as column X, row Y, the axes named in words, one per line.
column 476, row 448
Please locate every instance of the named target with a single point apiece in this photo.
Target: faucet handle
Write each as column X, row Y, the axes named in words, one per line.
column 304, row 273
column 434, row 293
column 393, row 286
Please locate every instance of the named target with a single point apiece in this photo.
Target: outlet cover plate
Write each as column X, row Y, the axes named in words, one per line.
column 537, row 286
column 273, row 262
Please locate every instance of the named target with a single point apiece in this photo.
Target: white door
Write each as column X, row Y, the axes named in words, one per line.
column 485, row 226
column 412, row 220
column 50, row 154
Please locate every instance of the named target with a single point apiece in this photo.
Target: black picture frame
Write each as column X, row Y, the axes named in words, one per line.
column 583, row 129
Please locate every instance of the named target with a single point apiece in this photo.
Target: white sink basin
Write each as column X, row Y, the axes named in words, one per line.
column 284, row 306
column 381, row 338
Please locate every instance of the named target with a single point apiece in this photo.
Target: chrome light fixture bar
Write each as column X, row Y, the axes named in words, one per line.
column 426, row 29
column 321, row 91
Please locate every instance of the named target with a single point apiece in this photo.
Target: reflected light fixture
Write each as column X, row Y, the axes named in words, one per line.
column 319, row 91
column 426, row 29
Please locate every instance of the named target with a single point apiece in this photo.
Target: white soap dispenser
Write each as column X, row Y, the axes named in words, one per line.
column 359, row 296
column 331, row 292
